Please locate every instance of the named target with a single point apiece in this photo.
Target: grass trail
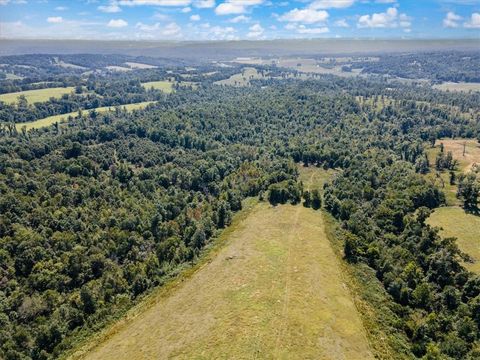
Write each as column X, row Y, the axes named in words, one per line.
column 273, row 291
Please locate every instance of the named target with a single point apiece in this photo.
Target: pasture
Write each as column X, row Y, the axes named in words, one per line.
column 463, row 87
column 63, row 117
column 135, row 65
column 34, row 96
column 243, row 78
column 272, row 287
column 455, row 222
column 163, row 85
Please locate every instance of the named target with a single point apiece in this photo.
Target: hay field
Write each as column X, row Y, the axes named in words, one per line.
column 34, row 96
column 274, row 290
column 63, row 117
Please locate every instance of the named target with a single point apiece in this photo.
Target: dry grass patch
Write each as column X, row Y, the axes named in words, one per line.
column 274, row 291
column 457, row 146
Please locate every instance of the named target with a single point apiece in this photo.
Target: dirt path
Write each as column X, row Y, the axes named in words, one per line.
column 275, row 291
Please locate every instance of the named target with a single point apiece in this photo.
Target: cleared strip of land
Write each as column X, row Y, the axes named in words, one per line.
column 34, row 96
column 63, row 117
column 275, row 290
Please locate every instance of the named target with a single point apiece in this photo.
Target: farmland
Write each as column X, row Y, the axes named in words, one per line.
column 165, row 86
column 34, row 96
column 60, row 118
column 275, row 280
column 243, row 78
column 451, row 86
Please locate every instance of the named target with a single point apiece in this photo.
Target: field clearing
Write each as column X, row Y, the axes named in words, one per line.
column 243, row 78
column 308, row 66
column 274, row 289
column 165, row 86
column 118, row 68
column 314, row 178
column 455, row 222
column 472, row 151
column 135, row 65
column 34, row 96
column 463, row 87
column 63, row 117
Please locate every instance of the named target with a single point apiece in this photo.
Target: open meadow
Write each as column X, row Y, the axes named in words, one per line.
column 165, row 86
column 63, row 117
column 452, row 86
column 455, row 222
column 34, row 96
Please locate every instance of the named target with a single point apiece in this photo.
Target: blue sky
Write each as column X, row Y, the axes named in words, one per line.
column 238, row 19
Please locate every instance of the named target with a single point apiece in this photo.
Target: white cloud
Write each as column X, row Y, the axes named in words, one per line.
column 307, row 16
column 161, row 16
column 341, row 23
column 451, row 20
column 317, row 30
column 255, row 31
column 5, row 2
column 195, row 17
column 405, row 21
column 236, row 6
column 178, row 3
column 55, row 19
column 110, row 8
column 204, row 4
column 302, row 29
column 240, row 19
column 117, row 23
column 385, row 1
column 186, row 9
column 170, row 30
column 61, row 8
column 218, row 32
column 474, row 22
column 330, row 4
column 389, row 19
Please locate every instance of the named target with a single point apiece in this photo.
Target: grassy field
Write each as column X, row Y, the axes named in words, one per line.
column 165, row 86
column 455, row 222
column 451, row 86
column 273, row 290
column 63, row 117
column 34, row 96
column 304, row 65
column 242, row 79
column 314, row 177
column 465, row 162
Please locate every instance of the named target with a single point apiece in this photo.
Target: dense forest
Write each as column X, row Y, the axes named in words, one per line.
column 97, row 212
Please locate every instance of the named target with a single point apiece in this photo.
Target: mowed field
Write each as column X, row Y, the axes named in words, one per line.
column 63, row 117
column 455, row 222
column 34, row 96
column 273, row 290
